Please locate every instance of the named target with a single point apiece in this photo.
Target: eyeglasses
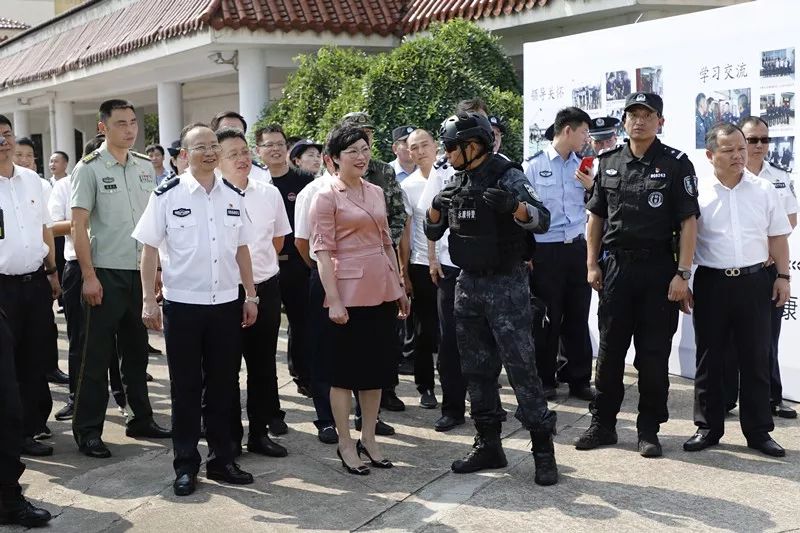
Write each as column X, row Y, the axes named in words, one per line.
column 366, row 152
column 756, row 140
column 270, row 146
column 213, row 149
column 243, row 154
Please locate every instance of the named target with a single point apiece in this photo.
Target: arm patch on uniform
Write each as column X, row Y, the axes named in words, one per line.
column 690, row 185
column 167, row 185
column 239, row 191
column 532, row 192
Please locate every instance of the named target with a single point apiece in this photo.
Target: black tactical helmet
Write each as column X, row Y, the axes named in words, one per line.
column 466, row 127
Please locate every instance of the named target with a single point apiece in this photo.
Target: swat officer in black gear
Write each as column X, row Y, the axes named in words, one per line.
column 647, row 192
column 490, row 207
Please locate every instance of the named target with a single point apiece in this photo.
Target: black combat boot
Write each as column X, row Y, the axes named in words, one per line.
column 544, row 457
column 487, row 452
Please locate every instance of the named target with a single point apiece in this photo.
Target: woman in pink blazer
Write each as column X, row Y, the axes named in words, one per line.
column 363, row 291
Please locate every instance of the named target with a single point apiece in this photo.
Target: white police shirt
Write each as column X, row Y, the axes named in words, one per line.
column 59, row 208
column 302, row 207
column 197, row 235
column 23, row 210
column 267, row 214
column 782, row 181
column 257, row 173
column 441, row 174
column 413, row 187
column 734, row 224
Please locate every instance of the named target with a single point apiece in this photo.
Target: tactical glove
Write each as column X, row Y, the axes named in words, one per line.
column 442, row 200
column 501, row 201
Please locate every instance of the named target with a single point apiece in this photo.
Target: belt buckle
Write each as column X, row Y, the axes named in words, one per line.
column 733, row 272
column 26, row 278
column 569, row 241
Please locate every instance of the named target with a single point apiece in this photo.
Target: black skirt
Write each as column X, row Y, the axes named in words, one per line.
column 364, row 352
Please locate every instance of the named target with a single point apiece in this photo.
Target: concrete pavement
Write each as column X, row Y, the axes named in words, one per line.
column 726, row 488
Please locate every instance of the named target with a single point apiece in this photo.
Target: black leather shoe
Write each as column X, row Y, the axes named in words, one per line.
column 44, row 434
column 781, row 410
column 149, row 430
column 447, row 422
column 391, row 402
column 32, row 448
column 328, row 435
column 184, row 484
column 649, row 445
column 25, row 515
column 229, row 473
column 768, row 447
column 278, row 427
column 427, row 400
column 95, row 448
column 585, row 393
column 263, row 445
column 57, row 377
column 700, row 441
column 381, row 428
column 65, row 413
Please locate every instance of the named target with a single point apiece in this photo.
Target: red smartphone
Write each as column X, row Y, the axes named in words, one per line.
column 586, row 164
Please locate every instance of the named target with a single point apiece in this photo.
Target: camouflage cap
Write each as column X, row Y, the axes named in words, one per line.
column 358, row 119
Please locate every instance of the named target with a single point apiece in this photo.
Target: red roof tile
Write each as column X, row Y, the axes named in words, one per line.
column 421, row 13
column 8, row 24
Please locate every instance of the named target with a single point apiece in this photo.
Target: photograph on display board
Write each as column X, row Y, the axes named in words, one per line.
column 586, row 97
column 650, row 80
column 777, row 110
column 718, row 106
column 536, row 140
column 777, row 67
column 781, row 152
column 618, row 85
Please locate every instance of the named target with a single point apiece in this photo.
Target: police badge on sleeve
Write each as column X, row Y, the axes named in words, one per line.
column 690, row 185
column 532, row 192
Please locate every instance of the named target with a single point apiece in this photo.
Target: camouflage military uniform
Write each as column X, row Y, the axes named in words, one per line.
column 380, row 174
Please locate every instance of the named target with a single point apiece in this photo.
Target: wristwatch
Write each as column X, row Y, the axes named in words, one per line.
column 252, row 300
column 787, row 277
column 685, row 274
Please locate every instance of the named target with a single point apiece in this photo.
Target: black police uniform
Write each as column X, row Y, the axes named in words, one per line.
column 644, row 201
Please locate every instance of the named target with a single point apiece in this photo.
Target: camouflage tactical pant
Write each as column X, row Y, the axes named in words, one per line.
column 493, row 326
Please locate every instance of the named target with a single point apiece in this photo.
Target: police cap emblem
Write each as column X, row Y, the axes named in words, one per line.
column 599, row 122
column 690, row 185
column 655, row 199
column 641, row 97
column 532, row 192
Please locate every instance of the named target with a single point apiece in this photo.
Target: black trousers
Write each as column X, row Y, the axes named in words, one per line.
column 204, row 347
column 634, row 305
column 29, row 307
column 259, row 344
column 11, row 416
column 738, row 308
column 426, row 325
column 559, row 279
column 317, row 353
column 448, row 361
column 294, row 294
column 60, row 263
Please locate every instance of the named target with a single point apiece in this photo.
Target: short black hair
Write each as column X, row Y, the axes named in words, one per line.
column 270, row 128
column 720, row 128
column 699, row 98
column 189, row 127
column 343, row 137
column 152, row 147
column 5, row 121
column 108, row 107
column 214, row 125
column 230, row 133
column 570, row 116
column 26, row 141
column 472, row 105
column 62, row 154
column 752, row 121
column 93, row 144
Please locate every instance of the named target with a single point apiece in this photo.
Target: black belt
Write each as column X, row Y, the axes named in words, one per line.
column 24, row 278
column 575, row 240
column 735, row 272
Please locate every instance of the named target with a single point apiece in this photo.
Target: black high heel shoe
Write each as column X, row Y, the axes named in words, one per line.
column 358, row 471
column 383, row 463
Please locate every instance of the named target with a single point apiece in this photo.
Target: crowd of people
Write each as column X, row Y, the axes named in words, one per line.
column 467, row 259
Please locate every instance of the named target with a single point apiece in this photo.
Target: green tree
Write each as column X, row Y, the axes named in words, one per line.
column 151, row 129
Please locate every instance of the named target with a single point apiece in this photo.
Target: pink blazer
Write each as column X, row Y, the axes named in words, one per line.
column 355, row 233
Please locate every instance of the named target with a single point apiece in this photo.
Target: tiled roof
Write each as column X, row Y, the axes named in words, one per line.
column 351, row 16
column 8, row 24
column 421, row 13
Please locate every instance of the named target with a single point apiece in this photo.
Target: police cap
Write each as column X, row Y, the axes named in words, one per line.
column 602, row 128
column 174, row 148
column 401, row 133
column 649, row 100
column 466, row 127
column 498, row 122
column 358, row 119
column 301, row 146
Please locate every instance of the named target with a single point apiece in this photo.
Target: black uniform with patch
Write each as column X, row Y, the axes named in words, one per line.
column 644, row 201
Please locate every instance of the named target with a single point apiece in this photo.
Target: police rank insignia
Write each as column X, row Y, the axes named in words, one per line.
column 182, row 212
column 690, row 185
column 532, row 192
column 545, row 173
column 655, row 199
column 611, row 172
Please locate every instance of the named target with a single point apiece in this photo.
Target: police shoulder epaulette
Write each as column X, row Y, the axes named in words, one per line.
column 259, row 165
column 139, row 155
column 167, row 185
column 612, row 151
column 677, row 154
column 91, row 157
column 779, row 167
column 535, row 155
column 441, row 162
column 239, row 191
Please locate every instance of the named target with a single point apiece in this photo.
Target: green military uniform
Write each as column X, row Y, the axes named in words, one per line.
column 115, row 195
column 381, row 174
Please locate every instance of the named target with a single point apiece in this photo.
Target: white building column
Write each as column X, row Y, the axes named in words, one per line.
column 170, row 112
column 65, row 130
column 22, row 123
column 253, row 83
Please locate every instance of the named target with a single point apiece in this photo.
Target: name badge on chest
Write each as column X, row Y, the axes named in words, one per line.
column 233, row 212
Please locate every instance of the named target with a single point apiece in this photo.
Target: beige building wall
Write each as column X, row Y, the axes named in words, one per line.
column 31, row 12
column 63, row 5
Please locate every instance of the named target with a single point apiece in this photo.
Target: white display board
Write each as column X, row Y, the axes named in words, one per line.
column 736, row 61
